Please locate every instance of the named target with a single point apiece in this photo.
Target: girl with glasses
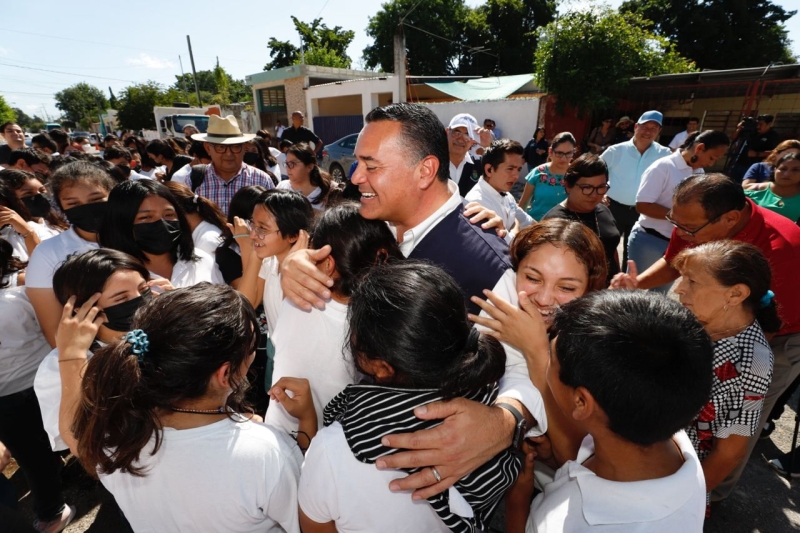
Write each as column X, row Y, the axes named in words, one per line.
column 586, row 183
column 544, row 187
column 306, row 176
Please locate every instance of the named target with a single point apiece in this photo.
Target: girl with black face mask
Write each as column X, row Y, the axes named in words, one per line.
column 145, row 220
column 124, row 285
column 80, row 190
column 15, row 224
column 30, row 190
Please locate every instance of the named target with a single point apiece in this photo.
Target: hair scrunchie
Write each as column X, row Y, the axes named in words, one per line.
column 472, row 340
column 139, row 342
column 767, row 299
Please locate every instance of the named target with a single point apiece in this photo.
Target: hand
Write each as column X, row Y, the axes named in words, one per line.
column 476, row 213
column 239, row 227
column 301, row 281
column 160, row 176
column 626, row 280
column 78, row 328
column 9, row 216
column 543, row 449
column 521, row 327
column 471, row 434
column 5, row 456
column 606, row 201
column 300, row 404
column 485, row 137
column 160, row 285
column 521, row 492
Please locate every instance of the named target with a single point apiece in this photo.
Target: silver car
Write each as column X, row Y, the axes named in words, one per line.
column 338, row 156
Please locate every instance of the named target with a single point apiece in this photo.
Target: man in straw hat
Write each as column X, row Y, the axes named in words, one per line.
column 227, row 173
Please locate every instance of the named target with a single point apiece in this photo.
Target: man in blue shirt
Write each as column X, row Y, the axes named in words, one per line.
column 627, row 162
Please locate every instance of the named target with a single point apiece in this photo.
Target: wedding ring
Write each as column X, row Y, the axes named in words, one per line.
column 436, row 474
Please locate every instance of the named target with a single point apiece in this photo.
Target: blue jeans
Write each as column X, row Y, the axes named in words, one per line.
column 645, row 250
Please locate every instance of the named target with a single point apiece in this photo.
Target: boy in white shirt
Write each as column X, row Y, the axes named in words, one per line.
column 502, row 163
column 626, row 372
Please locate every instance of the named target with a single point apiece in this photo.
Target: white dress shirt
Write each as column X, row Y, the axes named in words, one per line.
column 501, row 203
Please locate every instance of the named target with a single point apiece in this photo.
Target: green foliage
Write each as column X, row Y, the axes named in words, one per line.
column 113, row 103
column 587, row 56
column 27, row 122
column 322, row 46
column 136, row 105
column 81, row 102
column 211, row 84
column 6, row 113
column 223, row 86
column 743, row 33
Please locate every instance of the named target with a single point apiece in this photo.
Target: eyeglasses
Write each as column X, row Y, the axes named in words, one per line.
column 564, row 155
column 588, row 190
column 260, row 233
column 690, row 233
column 291, row 164
column 222, row 148
column 457, row 134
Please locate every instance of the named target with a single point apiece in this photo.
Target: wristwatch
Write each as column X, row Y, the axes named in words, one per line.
column 519, row 428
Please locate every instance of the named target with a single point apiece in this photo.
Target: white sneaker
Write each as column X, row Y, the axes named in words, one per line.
column 57, row 524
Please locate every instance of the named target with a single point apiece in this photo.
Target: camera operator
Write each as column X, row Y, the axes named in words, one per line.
column 754, row 139
column 765, row 140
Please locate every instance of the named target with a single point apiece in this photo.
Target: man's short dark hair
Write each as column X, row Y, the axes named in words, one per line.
column 31, row 156
column 693, row 119
column 766, row 118
column 162, row 148
column 422, row 133
column 715, row 192
column 495, row 155
column 61, row 137
column 645, row 359
column 110, row 137
column 115, row 152
column 44, row 141
column 284, row 144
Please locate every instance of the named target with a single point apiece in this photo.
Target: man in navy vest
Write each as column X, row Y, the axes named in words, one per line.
column 403, row 179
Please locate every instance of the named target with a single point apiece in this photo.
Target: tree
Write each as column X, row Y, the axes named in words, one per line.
column 743, row 33
column 426, row 55
column 6, row 113
column 81, row 102
column 209, row 85
column 587, row 56
column 136, row 105
column 113, row 103
column 322, row 46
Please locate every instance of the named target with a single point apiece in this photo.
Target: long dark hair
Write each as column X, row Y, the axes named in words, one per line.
column 121, row 394
column 411, row 314
column 192, row 203
column 15, row 179
column 319, row 178
column 123, row 204
column 8, row 263
column 85, row 274
column 357, row 244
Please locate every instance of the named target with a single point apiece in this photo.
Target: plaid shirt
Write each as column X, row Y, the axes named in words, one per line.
column 221, row 192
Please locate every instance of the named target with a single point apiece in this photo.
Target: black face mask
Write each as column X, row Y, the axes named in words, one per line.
column 125, row 170
column 38, row 205
column 251, row 158
column 157, row 237
column 88, row 217
column 120, row 316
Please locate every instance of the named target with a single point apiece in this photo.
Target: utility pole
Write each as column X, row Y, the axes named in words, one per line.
column 400, row 62
column 183, row 81
column 194, row 73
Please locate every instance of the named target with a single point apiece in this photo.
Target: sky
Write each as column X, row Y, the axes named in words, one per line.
column 110, row 46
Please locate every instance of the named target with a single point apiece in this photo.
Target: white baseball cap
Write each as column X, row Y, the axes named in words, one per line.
column 468, row 121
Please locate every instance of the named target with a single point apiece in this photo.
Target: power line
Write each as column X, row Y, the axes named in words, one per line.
column 471, row 49
column 323, row 8
column 20, row 92
column 402, row 20
column 62, row 66
column 68, row 73
column 81, row 41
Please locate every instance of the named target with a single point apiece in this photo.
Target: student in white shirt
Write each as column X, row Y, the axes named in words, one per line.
column 409, row 333
column 278, row 220
column 306, row 176
column 167, row 433
column 206, row 221
column 145, row 220
column 502, row 162
column 312, row 345
column 625, row 372
column 80, row 189
column 124, row 285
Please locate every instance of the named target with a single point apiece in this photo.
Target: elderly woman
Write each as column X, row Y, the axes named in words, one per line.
column 726, row 285
column 762, row 172
column 586, row 182
column 651, row 233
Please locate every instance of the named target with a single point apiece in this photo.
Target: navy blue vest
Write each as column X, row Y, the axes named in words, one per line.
column 467, row 181
column 476, row 258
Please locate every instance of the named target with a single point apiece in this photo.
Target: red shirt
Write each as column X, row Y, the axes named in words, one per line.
column 778, row 238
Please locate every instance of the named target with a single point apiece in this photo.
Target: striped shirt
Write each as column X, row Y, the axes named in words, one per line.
column 221, row 192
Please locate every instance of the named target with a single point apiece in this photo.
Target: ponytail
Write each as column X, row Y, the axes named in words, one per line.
column 483, row 362
column 192, row 203
column 768, row 318
column 709, row 138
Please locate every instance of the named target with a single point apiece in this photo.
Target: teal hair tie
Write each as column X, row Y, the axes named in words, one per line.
column 767, row 299
column 139, row 342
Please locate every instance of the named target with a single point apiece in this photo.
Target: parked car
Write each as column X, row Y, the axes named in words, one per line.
column 76, row 134
column 338, row 156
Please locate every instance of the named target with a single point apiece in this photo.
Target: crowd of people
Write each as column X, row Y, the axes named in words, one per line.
column 231, row 340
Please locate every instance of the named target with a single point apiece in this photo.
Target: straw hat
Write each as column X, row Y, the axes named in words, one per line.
column 223, row 131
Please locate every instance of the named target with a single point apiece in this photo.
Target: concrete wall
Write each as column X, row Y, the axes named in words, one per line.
column 337, row 106
column 372, row 93
column 516, row 119
column 296, row 97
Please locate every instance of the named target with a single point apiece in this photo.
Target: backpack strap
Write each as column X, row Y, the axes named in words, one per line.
column 198, row 176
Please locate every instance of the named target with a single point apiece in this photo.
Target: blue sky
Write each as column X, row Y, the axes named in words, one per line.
column 108, row 45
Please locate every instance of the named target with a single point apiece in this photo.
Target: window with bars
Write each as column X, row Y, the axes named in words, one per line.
column 273, row 99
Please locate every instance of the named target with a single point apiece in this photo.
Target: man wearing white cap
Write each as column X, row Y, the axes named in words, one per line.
column 227, row 173
column 462, row 133
column 627, row 162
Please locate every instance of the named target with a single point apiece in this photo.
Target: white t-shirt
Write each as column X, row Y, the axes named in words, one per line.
column 311, row 345
column 49, row 255
column 273, row 294
column 286, row 184
column 43, row 231
column 232, row 476
column 503, row 204
column 182, row 174
column 657, row 185
column 151, row 174
column 207, row 237
column 678, row 140
column 334, row 485
column 22, row 344
column 47, row 386
column 188, row 273
column 579, row 500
